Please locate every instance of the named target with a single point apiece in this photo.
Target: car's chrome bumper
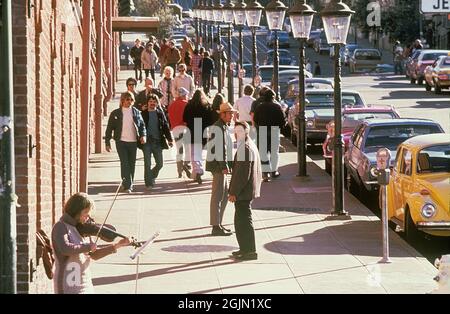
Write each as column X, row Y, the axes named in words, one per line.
column 433, row 225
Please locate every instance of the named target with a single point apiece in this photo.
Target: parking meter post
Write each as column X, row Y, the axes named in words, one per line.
column 383, row 174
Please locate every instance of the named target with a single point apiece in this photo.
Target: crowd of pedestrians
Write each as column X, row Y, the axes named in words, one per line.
column 178, row 112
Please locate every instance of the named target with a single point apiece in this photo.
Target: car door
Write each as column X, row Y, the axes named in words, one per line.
column 354, row 153
column 402, row 182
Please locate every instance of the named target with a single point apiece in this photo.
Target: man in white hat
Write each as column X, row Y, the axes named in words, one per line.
column 218, row 161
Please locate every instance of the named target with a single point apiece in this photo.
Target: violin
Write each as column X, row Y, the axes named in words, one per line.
column 107, row 233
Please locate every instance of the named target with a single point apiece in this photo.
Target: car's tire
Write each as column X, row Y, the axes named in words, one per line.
column 412, row 81
column 412, row 234
column 328, row 165
column 427, row 86
column 293, row 137
column 437, row 88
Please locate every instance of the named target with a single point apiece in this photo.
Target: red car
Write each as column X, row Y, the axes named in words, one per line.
column 350, row 119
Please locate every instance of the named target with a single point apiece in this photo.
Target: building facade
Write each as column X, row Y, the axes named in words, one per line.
column 64, row 68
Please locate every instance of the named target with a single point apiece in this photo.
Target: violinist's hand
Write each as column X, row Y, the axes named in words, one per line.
column 93, row 247
column 122, row 242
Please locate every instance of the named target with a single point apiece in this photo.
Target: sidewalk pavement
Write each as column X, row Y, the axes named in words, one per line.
column 300, row 248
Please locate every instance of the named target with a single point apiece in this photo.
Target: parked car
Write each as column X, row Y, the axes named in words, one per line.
column 437, row 75
column 285, row 56
column 424, row 59
column 286, row 76
column 283, row 39
column 319, row 111
column 351, row 117
column 364, row 60
column 266, row 72
column 371, row 135
column 419, row 198
column 313, row 35
column 382, row 68
column 310, row 83
column 321, row 44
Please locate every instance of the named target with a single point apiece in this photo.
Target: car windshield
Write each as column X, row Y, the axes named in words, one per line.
column 283, row 54
column 433, row 56
column 327, row 100
column 391, row 136
column 446, row 62
column 351, row 120
column 434, row 159
column 367, row 55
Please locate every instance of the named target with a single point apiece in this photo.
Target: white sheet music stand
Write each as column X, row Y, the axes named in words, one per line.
column 139, row 252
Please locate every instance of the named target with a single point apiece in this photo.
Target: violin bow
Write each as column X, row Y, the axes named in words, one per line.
column 109, row 211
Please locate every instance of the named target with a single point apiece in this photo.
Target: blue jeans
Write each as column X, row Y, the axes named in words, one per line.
column 127, row 156
column 150, row 174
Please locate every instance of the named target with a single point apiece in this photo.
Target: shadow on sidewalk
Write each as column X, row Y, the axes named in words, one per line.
column 99, row 281
column 352, row 237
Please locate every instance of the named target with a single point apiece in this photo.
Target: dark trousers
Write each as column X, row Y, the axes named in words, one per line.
column 127, row 156
column 150, row 174
column 398, row 68
column 206, row 79
column 152, row 73
column 243, row 225
column 138, row 69
column 174, row 67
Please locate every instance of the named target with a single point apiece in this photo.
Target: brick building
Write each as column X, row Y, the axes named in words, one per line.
column 63, row 75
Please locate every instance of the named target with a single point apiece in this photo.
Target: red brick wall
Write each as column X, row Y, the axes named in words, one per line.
column 47, row 57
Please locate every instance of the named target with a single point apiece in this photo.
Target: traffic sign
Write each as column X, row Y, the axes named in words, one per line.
column 435, row 6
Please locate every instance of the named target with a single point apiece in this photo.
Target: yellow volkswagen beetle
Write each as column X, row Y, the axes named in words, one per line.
column 419, row 187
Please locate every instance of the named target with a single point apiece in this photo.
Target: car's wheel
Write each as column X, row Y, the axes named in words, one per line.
column 293, row 137
column 328, row 165
column 420, row 81
column 413, row 81
column 411, row 232
column 351, row 184
column 427, row 86
column 437, row 88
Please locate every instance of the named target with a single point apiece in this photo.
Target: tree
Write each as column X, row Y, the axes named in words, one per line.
column 159, row 9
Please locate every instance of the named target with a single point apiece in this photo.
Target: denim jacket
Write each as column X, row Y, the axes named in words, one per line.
column 115, row 123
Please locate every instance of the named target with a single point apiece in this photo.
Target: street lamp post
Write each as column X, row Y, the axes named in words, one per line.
column 196, row 23
column 228, row 18
column 275, row 12
column 239, row 20
column 204, row 23
column 210, row 18
column 253, row 13
column 218, row 18
column 336, row 20
column 301, row 16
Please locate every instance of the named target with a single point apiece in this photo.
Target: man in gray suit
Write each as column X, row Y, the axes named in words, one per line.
column 218, row 162
column 245, row 186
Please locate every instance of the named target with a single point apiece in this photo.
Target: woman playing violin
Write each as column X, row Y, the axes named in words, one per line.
column 73, row 252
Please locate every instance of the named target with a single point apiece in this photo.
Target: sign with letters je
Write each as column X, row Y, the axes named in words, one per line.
column 435, row 6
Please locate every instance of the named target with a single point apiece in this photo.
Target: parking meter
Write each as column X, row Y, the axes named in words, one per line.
column 383, row 172
column 383, row 163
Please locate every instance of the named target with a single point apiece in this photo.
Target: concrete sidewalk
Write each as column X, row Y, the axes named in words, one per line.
column 301, row 249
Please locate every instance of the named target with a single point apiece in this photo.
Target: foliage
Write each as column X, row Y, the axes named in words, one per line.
column 400, row 21
column 157, row 8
